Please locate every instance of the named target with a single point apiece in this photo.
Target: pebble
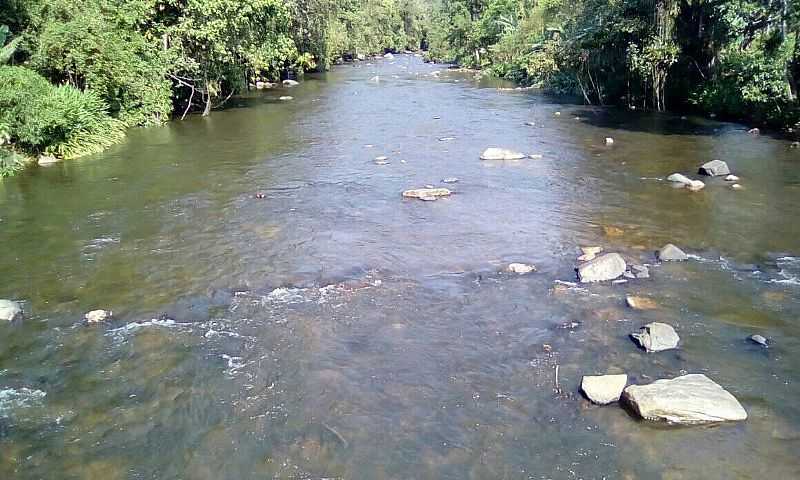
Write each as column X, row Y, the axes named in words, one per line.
column 759, row 339
column 450, row 180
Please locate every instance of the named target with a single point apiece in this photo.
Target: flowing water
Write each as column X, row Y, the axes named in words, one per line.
column 332, row 329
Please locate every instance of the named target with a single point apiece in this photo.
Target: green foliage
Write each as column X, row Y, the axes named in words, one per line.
column 60, row 121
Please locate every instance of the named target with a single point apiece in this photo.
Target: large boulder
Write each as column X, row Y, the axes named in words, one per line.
column 604, row 389
column 687, row 400
column 671, row 253
column 606, row 267
column 501, row 154
column 9, row 311
column 656, row 337
column 715, row 168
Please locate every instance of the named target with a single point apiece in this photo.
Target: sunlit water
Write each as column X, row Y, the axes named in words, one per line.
column 334, row 330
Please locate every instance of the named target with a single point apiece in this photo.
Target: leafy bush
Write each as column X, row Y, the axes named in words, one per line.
column 60, row 121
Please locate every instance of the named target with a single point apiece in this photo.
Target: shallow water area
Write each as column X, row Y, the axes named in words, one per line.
column 280, row 311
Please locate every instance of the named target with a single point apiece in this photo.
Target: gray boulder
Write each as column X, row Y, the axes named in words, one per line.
column 656, row 337
column 687, row 400
column 603, row 268
column 715, row 168
column 604, row 389
column 671, row 253
column 9, row 311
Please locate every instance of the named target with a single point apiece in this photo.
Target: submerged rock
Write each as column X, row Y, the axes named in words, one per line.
column 671, row 253
column 427, row 193
column 607, row 267
column 521, row 268
column 9, row 310
column 501, row 154
column 759, row 340
column 640, row 303
column 604, row 389
column 97, row 316
column 714, row 168
column 687, row 400
column 656, row 337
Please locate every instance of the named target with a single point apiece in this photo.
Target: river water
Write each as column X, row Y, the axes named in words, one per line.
column 332, row 329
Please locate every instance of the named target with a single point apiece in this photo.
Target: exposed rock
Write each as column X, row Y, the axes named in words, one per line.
column 427, row 193
column 680, row 179
column 389, row 56
column 715, row 168
column 604, row 389
column 291, row 83
column 607, row 267
column 361, row 57
column 286, row 98
column 640, row 303
column 671, row 253
column 759, row 339
column 501, row 154
column 754, row 131
column 47, row 160
column 589, row 253
column 264, row 85
column 640, row 271
column 731, row 178
column 736, row 186
column 536, row 156
column 687, row 400
column 656, row 337
column 450, row 180
column 9, row 310
column 521, row 268
column 97, row 316
column 609, row 141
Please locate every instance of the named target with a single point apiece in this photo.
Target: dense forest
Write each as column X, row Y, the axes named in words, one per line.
column 74, row 74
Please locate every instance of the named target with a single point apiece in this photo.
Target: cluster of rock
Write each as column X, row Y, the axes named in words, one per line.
column 714, row 168
column 11, row 311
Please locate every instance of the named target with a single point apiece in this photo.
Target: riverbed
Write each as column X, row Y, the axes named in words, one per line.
column 279, row 311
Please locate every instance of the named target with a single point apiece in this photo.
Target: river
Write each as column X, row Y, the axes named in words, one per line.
column 332, row 329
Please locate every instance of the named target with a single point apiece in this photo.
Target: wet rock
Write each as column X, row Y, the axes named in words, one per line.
column 688, row 400
column 501, row 154
column 589, row 253
column 607, row 267
column 286, row 98
column 9, row 310
column 609, row 141
column 754, row 131
column 671, row 253
column 656, row 337
column 683, row 180
column 389, row 56
column 450, row 180
column 291, row 83
column 759, row 340
column 47, row 160
column 640, row 303
column 714, row 168
column 604, row 389
column 640, row 271
column 731, row 178
column 426, row 193
column 521, row 268
column 736, row 186
column 97, row 316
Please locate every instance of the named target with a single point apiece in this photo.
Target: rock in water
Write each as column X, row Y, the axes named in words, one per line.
column 47, row 160
column 389, row 56
column 426, row 193
column 604, row 389
column 731, row 178
column 686, row 181
column 9, row 311
column 607, row 267
column 656, row 337
column 97, row 316
column 521, row 268
column 641, row 303
column 715, row 168
column 759, row 339
column 286, row 98
column 609, row 141
column 687, row 400
column 291, row 83
column 450, row 180
column 640, row 271
column 671, row 253
column 501, row 154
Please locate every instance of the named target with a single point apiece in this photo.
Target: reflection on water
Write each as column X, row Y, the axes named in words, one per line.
column 281, row 312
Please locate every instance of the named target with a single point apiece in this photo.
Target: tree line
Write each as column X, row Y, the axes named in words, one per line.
column 74, row 74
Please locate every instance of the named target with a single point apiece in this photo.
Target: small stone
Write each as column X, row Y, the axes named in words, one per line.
column 389, row 56
column 536, row 156
column 640, row 271
column 426, row 193
column 731, row 178
column 557, row 114
column 687, row 400
column 640, row 303
column 759, row 339
column 450, row 180
column 9, row 310
column 521, row 268
column 501, row 154
column 736, row 186
column 447, row 139
column 656, row 337
column 629, row 276
column 587, row 257
column 671, row 253
column 382, row 158
column 714, row 168
column 286, row 98
column 47, row 160
column 609, row 141
column 696, row 185
column 291, row 83
column 754, row 131
column 607, row 267
column 604, row 389
column 530, row 124
column 97, row 316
